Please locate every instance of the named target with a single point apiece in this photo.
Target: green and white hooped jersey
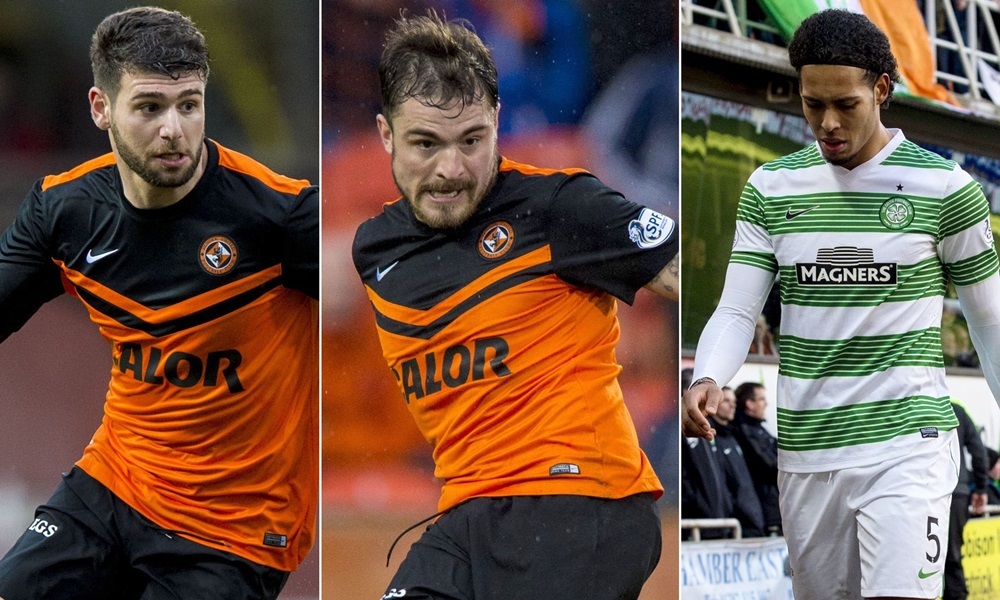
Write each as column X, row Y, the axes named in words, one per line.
column 863, row 257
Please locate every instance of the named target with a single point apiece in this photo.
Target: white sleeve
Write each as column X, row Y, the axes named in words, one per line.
column 726, row 339
column 981, row 308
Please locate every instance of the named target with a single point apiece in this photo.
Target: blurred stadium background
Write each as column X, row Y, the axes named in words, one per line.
column 262, row 100
column 582, row 83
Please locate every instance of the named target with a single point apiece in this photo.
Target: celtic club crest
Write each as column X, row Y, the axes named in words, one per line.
column 896, row 213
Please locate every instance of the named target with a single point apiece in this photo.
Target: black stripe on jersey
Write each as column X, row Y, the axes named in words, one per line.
column 426, row 332
column 180, row 324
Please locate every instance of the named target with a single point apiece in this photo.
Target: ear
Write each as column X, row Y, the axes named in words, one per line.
column 384, row 132
column 882, row 85
column 100, row 108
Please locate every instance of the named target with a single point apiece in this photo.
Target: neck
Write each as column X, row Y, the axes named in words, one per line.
column 880, row 139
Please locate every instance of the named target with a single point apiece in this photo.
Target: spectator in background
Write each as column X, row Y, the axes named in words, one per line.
column 739, row 482
column 993, row 480
column 704, row 494
column 703, row 483
column 760, row 450
column 972, row 484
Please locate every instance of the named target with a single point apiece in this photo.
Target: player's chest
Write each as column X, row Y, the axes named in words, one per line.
column 489, row 256
column 161, row 261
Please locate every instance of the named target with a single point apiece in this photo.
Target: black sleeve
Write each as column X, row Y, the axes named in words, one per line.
column 300, row 247
column 600, row 239
column 28, row 277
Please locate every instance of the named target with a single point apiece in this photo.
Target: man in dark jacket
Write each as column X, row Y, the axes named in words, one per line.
column 746, row 504
column 760, row 450
column 971, row 488
column 703, row 483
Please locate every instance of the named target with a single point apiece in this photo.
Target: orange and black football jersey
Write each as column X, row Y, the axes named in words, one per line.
column 210, row 424
column 501, row 333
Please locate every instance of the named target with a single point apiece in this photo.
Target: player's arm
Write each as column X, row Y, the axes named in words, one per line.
column 28, row 277
column 300, row 246
column 726, row 338
column 970, row 260
column 982, row 314
column 667, row 283
column 724, row 344
column 601, row 240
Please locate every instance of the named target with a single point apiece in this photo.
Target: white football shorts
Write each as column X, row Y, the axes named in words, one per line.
column 877, row 530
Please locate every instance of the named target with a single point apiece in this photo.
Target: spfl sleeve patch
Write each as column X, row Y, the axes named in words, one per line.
column 650, row 229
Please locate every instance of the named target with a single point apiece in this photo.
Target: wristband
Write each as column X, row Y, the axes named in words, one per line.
column 703, row 380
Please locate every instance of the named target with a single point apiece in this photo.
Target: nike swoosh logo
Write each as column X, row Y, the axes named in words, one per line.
column 791, row 214
column 923, row 575
column 379, row 273
column 92, row 258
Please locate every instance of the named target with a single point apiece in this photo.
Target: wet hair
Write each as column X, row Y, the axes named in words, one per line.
column 440, row 63
column 146, row 39
column 841, row 37
column 745, row 391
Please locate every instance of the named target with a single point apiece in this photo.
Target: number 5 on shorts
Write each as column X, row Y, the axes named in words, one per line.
column 933, row 538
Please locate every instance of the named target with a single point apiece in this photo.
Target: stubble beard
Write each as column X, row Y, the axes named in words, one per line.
column 152, row 176
column 838, row 161
column 449, row 216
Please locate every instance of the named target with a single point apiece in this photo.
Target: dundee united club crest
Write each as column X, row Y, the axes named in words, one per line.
column 896, row 213
column 496, row 240
column 218, row 255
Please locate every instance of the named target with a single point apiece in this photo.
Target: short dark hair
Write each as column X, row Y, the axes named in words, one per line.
column 841, row 37
column 146, row 39
column 745, row 391
column 438, row 62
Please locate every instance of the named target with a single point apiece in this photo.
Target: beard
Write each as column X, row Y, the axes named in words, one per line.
column 450, row 215
column 144, row 169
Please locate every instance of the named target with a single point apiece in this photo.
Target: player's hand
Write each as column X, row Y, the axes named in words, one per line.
column 978, row 503
column 697, row 404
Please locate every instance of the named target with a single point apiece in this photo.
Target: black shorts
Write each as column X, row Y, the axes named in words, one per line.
column 534, row 547
column 86, row 544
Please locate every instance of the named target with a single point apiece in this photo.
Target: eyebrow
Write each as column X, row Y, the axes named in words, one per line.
column 162, row 96
column 840, row 99
column 425, row 132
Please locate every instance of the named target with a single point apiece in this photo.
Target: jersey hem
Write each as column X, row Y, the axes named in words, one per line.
column 884, row 455
column 591, row 489
column 106, row 477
